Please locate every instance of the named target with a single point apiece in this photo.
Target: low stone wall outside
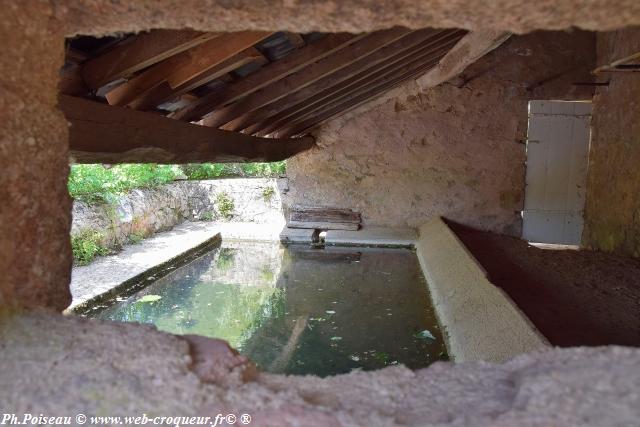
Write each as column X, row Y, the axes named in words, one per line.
column 143, row 212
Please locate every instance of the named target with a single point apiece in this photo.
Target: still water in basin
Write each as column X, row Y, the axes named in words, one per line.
column 297, row 310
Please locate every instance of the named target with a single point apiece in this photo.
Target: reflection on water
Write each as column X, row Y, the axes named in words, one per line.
column 298, row 310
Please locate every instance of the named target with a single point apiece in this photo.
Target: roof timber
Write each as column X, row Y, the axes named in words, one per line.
column 350, row 86
column 180, row 68
column 397, row 53
column 345, row 103
column 141, row 52
column 469, row 49
column 101, row 133
column 269, row 74
column 472, row 47
column 306, row 76
column 164, row 91
column 255, row 83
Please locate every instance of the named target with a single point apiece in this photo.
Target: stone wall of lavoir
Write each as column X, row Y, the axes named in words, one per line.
column 143, row 212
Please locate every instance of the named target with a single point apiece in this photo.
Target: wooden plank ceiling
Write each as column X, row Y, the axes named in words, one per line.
column 270, row 85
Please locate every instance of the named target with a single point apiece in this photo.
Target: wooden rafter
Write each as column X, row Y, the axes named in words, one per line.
column 355, row 85
column 101, row 133
column 301, row 82
column 141, row 52
column 164, row 91
column 471, row 47
column 398, row 72
column 305, row 77
column 396, row 53
column 181, row 68
column 343, row 104
column 269, row 74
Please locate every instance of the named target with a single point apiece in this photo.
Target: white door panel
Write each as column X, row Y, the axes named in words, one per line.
column 557, row 161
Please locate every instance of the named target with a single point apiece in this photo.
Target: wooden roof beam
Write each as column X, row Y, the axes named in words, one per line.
column 181, row 68
column 306, row 76
column 402, row 50
column 269, row 74
column 342, row 105
column 471, row 47
column 164, row 91
column 427, row 58
column 100, row 133
column 141, row 52
column 468, row 50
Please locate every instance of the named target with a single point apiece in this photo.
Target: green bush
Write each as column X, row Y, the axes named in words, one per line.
column 102, row 184
column 268, row 193
column 86, row 245
column 204, row 170
column 98, row 184
column 135, row 238
column 219, row 170
column 207, row 216
column 225, row 205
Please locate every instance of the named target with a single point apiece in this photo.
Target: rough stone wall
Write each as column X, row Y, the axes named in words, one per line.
column 102, row 16
column 35, row 254
column 452, row 150
column 612, row 211
column 116, row 369
column 147, row 211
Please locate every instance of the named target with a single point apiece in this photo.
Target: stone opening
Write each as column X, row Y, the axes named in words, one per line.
column 36, row 254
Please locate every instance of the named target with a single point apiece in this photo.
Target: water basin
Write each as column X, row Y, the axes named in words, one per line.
column 295, row 309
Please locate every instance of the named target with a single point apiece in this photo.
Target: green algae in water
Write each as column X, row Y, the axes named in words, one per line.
column 319, row 311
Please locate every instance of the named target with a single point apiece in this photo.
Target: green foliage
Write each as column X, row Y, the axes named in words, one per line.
column 87, row 245
column 99, row 184
column 207, row 216
column 225, row 205
column 219, row 170
column 268, row 193
column 135, row 238
column 204, row 170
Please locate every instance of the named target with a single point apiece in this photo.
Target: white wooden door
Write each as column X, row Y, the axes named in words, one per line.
column 557, row 162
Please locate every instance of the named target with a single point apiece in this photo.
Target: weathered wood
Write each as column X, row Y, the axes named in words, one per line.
column 184, row 66
column 323, row 214
column 471, row 47
column 100, row 133
column 269, row 74
column 164, row 91
column 342, row 105
column 295, row 39
column 324, row 225
column 378, row 57
column 203, row 59
column 71, row 82
column 356, row 86
column 296, row 81
column 141, row 52
column 403, row 50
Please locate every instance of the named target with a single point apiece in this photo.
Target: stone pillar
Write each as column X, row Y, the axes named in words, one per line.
column 35, row 208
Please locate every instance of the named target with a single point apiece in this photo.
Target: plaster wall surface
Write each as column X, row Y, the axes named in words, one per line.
column 480, row 321
column 451, row 150
column 612, row 210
